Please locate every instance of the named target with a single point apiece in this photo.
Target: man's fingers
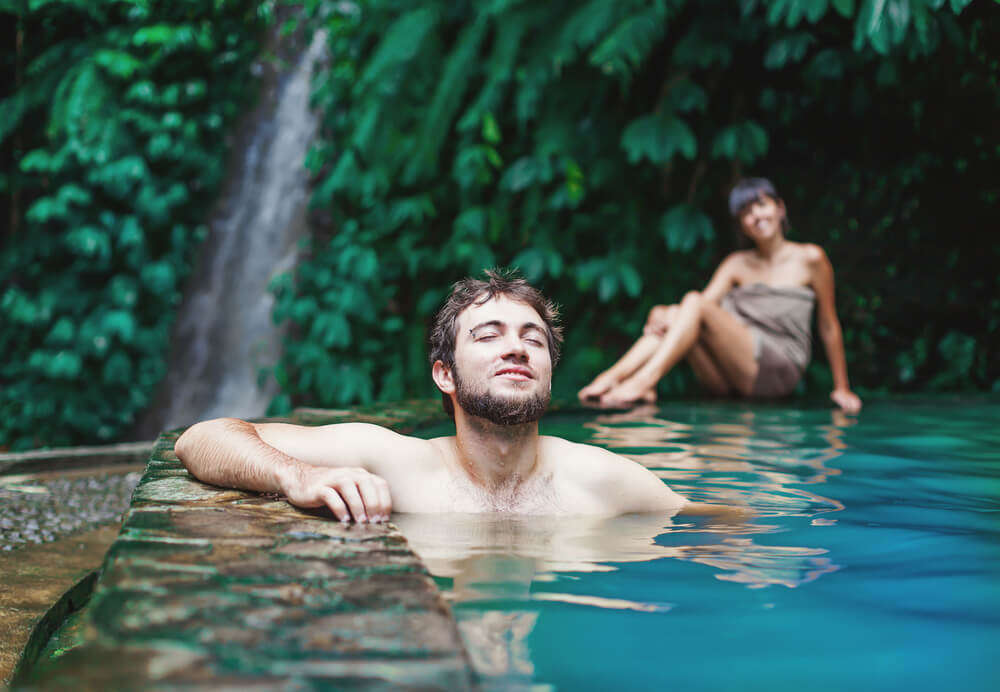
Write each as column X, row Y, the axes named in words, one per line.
column 378, row 502
column 332, row 499
column 349, row 492
column 384, row 496
column 369, row 495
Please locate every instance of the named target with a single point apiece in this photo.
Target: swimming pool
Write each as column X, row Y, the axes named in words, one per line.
column 873, row 561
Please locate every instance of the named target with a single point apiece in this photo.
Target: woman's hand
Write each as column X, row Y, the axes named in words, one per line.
column 350, row 493
column 846, row 399
column 659, row 319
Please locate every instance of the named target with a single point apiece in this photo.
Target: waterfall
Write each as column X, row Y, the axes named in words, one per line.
column 224, row 333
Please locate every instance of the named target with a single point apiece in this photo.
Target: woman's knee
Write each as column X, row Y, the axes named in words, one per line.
column 691, row 299
column 660, row 313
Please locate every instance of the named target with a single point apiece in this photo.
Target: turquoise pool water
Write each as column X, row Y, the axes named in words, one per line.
column 873, row 562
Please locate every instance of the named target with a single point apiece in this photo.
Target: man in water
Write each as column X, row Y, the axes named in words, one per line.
column 493, row 347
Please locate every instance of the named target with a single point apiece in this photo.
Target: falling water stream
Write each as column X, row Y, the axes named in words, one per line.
column 224, row 334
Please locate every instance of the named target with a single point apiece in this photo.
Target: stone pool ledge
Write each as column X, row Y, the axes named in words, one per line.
column 213, row 588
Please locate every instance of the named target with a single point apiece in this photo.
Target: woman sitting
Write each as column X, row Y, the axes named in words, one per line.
column 748, row 332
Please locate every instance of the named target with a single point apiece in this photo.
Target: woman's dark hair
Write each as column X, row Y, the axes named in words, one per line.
column 468, row 291
column 749, row 190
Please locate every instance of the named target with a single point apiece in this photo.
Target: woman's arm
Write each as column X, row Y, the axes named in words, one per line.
column 722, row 280
column 822, row 283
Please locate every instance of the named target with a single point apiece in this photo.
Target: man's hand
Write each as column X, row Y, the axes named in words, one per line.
column 348, row 492
column 846, row 399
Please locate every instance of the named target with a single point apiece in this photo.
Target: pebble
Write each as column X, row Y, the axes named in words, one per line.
column 70, row 505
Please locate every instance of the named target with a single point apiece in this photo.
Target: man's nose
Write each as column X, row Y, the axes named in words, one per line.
column 514, row 348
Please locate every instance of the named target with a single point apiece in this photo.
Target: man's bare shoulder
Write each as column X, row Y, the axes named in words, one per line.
column 580, row 458
column 622, row 484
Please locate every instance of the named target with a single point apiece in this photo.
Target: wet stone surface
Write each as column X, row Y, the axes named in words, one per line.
column 214, row 588
column 36, row 511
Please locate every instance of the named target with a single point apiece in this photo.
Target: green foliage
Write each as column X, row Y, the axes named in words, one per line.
column 111, row 121
column 592, row 144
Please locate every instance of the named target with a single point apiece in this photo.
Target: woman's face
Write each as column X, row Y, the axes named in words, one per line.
column 763, row 218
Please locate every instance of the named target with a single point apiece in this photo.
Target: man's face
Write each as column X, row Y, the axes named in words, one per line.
column 503, row 370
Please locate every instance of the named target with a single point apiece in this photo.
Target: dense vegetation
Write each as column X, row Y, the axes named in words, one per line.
column 592, row 144
column 112, row 122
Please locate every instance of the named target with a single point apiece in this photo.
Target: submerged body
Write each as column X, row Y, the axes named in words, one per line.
column 399, row 473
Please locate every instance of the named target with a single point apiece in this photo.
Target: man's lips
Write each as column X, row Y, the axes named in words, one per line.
column 515, row 373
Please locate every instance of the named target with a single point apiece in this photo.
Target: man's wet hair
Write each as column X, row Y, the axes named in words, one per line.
column 749, row 190
column 470, row 291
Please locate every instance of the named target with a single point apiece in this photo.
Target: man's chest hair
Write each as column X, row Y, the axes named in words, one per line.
column 536, row 495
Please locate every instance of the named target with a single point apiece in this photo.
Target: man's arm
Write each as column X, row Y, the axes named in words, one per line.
column 333, row 465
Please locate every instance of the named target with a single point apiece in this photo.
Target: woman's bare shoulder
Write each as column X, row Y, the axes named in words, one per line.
column 738, row 258
column 811, row 253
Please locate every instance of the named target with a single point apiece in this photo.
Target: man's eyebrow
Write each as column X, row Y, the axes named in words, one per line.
column 532, row 325
column 527, row 326
column 491, row 323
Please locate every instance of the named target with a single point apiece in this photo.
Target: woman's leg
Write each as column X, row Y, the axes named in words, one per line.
column 729, row 343
column 640, row 352
column 697, row 321
column 707, row 371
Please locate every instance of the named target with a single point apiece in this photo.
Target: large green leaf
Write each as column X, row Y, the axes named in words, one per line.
column 631, row 41
column 684, row 226
column 745, row 141
column 658, row 138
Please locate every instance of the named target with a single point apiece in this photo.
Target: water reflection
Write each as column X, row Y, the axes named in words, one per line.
column 495, row 569
column 492, row 567
column 747, row 458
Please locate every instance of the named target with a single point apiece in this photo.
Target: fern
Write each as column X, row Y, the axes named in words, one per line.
column 500, row 70
column 584, row 28
column 447, row 100
column 398, row 46
column 628, row 45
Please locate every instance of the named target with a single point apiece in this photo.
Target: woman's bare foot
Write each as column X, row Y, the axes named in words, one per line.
column 601, row 384
column 629, row 393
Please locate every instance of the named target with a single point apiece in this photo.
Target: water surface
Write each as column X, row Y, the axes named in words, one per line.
column 873, row 561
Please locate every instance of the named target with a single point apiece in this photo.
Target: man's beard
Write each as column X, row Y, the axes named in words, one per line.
column 500, row 410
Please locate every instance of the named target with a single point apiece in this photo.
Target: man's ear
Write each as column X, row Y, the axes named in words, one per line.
column 443, row 377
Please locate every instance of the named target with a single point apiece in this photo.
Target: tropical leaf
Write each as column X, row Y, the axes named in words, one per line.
column 684, row 226
column 629, row 44
column 446, row 102
column 788, row 49
column 658, row 138
column 685, row 95
column 398, row 46
column 745, row 141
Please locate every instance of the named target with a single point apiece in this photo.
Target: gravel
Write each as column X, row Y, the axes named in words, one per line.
column 39, row 511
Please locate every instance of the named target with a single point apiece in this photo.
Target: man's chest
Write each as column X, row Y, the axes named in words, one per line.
column 446, row 493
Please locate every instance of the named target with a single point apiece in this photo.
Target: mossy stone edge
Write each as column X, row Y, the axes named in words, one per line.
column 207, row 587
